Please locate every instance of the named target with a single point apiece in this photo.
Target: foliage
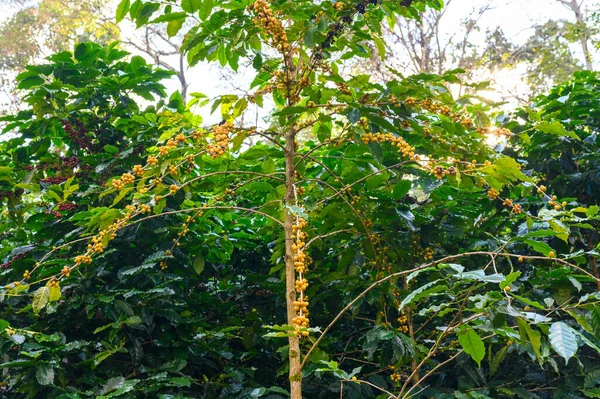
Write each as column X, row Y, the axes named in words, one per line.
column 47, row 27
column 149, row 255
column 547, row 54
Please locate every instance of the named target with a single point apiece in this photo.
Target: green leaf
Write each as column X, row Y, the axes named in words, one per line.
column 595, row 320
column 309, row 37
column 29, row 82
column 592, row 393
column 539, row 246
column 121, row 195
column 81, row 51
column 426, row 290
column 199, row 264
column 556, row 128
column 122, row 10
column 40, row 299
column 497, row 360
column 511, row 278
column 472, row 344
column 563, row 340
column 54, row 293
column 44, row 374
column 534, row 337
column 126, row 386
column 380, row 47
column 3, row 325
column 401, row 189
column 592, row 211
column 111, row 149
column 205, row 9
column 174, row 26
column 291, row 111
column 354, row 115
column 257, row 63
column 190, row 6
column 528, row 301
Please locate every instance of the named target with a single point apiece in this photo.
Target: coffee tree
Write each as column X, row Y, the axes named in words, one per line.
column 363, row 240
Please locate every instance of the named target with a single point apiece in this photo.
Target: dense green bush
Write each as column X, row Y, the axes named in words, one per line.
column 436, row 267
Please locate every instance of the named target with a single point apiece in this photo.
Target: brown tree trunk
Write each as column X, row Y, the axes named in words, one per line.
column 583, row 37
column 295, row 373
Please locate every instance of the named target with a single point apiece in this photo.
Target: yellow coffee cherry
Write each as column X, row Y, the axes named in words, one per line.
column 138, row 170
column 493, row 193
column 152, row 161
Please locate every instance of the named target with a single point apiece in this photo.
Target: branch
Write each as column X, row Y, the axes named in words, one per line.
column 327, row 235
column 231, row 172
column 422, row 267
column 230, row 207
column 364, row 178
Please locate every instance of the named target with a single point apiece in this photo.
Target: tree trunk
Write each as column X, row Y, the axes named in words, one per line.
column 295, row 373
column 583, row 37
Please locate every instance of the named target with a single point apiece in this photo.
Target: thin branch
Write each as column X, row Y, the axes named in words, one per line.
column 422, row 267
column 327, row 235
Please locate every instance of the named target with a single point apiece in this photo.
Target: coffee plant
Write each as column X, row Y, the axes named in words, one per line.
column 362, row 240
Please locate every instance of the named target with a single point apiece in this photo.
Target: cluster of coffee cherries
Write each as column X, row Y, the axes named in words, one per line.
column 271, row 24
column 439, row 172
column 361, row 7
column 407, row 150
column 17, row 192
column 494, row 130
column 403, row 321
column 98, row 242
column 553, row 200
column 79, row 135
column 8, row 264
column 494, row 194
column 54, row 179
column 221, row 133
column 66, row 206
column 515, row 208
column 419, row 252
column 119, row 184
column 301, row 262
column 439, row 108
column 70, row 162
column 66, row 270
column 395, row 376
column 138, row 170
column 335, row 30
column 163, row 263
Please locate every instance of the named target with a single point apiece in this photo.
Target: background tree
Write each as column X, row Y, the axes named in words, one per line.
column 582, row 30
column 43, row 28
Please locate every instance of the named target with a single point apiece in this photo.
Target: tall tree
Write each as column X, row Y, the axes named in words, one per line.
column 583, row 30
